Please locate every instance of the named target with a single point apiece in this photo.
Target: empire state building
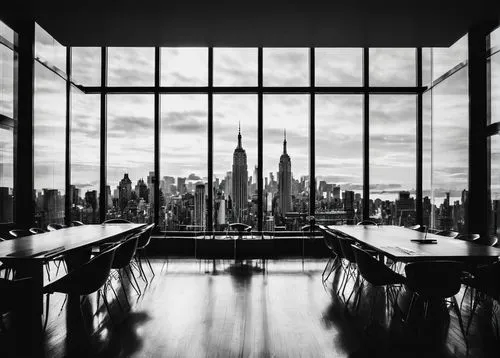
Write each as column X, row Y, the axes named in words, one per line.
column 285, row 181
column 240, row 181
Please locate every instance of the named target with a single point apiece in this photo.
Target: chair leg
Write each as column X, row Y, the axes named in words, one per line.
column 137, row 289
column 149, row 264
column 460, row 321
column 410, row 307
column 124, row 292
column 105, row 300
column 116, row 296
column 46, row 312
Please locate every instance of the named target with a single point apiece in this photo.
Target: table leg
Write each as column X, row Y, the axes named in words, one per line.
column 28, row 320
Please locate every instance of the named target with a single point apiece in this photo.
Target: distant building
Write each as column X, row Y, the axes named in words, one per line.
column 199, row 205
column 285, row 181
column 124, row 191
column 240, row 181
column 181, row 185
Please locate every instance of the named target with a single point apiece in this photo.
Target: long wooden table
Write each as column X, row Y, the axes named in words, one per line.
column 27, row 255
column 395, row 243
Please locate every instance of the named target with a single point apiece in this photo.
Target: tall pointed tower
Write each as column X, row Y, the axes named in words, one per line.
column 240, row 181
column 285, row 180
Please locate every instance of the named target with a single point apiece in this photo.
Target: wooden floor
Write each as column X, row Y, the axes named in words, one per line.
column 272, row 309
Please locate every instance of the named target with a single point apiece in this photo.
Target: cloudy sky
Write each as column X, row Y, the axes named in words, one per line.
column 339, row 118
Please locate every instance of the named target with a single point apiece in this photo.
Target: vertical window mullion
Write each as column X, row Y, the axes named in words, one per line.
column 68, row 195
column 157, row 113
column 312, row 149
column 210, row 138
column 103, row 198
column 260, row 139
column 366, row 134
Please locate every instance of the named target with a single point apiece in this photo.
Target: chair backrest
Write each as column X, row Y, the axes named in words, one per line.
column 488, row 240
column 468, row 237
column 434, row 279
column 77, row 223
column 19, row 233
column 335, row 244
column 125, row 252
column 448, row 233
column 89, row 277
column 145, row 237
column 54, row 227
column 415, row 227
column 372, row 270
column 345, row 245
column 116, row 221
column 37, row 230
column 367, row 222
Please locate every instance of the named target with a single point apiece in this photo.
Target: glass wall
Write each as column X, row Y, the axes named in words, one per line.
column 339, row 159
column 49, row 146
column 7, row 124
column 184, row 122
column 183, row 162
column 130, row 157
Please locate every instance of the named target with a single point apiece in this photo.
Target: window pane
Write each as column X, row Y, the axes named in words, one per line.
column 494, row 144
column 450, row 151
column 494, row 66
column 130, row 156
column 235, row 165
column 235, row 67
column 49, row 146
column 286, row 67
column 6, row 81
column 183, row 165
column 131, row 66
column 494, row 39
column 393, row 67
column 86, row 66
column 6, row 32
column 445, row 59
column 6, row 174
column 286, row 200
column 49, row 50
column 393, row 158
column 339, row 66
column 184, row 66
column 85, row 157
column 339, row 158
column 427, row 157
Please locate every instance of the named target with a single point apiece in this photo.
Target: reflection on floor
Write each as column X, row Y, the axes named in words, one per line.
column 253, row 309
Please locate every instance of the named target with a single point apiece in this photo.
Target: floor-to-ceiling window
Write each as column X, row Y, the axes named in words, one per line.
column 447, row 117
column 85, row 135
column 494, row 130
column 49, row 132
column 7, row 68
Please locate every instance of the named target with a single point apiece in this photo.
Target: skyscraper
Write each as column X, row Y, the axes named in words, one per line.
column 125, row 191
column 199, row 205
column 240, row 180
column 285, row 181
column 228, row 190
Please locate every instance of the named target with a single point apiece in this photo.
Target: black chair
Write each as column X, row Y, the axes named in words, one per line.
column 377, row 274
column 336, row 256
column 144, row 240
column 13, row 293
column 116, row 221
column 123, row 257
column 434, row 280
column 447, row 233
column 485, row 281
column 350, row 270
column 488, row 241
column 468, row 237
column 84, row 280
column 16, row 233
column 367, row 222
column 55, row 227
column 37, row 230
column 77, row 223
